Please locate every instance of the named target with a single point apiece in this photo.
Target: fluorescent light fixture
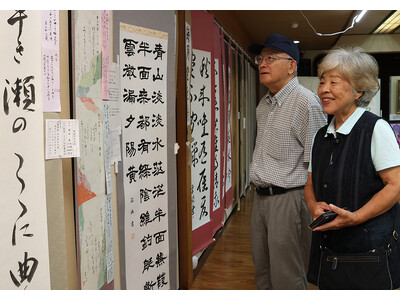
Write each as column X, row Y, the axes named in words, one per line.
column 361, row 15
column 391, row 23
column 296, row 42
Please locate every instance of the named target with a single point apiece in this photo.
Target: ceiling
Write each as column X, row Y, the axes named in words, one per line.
column 259, row 24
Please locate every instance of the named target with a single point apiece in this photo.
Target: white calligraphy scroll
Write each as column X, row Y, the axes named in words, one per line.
column 115, row 98
column 114, row 112
column 201, row 129
column 23, row 219
column 228, row 179
column 143, row 73
column 90, row 165
column 51, row 60
column 217, row 149
column 188, row 55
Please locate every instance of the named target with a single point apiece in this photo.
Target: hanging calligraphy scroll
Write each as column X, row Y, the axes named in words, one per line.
column 201, row 132
column 188, row 56
column 217, row 214
column 143, row 63
column 90, row 172
column 228, row 190
column 202, row 95
column 23, row 222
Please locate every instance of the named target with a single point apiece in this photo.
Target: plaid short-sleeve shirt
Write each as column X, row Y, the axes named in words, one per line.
column 286, row 125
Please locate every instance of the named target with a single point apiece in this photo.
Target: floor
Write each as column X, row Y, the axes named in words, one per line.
column 230, row 266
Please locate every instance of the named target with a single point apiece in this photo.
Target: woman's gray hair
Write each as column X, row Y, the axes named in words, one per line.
column 356, row 66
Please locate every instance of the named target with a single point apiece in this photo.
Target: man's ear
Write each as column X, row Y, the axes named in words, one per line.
column 293, row 66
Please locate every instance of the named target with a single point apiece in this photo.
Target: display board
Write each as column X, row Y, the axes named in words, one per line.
column 59, row 178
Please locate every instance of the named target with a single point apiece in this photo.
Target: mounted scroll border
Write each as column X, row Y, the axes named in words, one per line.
column 159, row 21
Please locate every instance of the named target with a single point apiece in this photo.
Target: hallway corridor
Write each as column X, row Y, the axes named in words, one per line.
column 230, row 264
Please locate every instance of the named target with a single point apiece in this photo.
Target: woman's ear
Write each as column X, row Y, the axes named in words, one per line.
column 359, row 95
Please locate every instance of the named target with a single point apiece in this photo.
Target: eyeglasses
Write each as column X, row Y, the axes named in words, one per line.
column 268, row 59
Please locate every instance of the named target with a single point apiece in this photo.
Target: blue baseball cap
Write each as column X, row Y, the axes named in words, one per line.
column 278, row 42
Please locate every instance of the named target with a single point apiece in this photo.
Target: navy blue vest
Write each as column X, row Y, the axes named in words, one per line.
column 343, row 174
column 342, row 168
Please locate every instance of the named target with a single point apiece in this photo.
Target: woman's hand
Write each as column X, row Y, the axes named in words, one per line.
column 380, row 203
column 317, row 208
column 344, row 218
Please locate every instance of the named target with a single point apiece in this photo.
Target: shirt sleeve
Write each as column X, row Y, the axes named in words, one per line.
column 310, row 164
column 385, row 151
column 317, row 119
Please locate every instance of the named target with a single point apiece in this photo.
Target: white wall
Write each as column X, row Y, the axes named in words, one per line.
column 370, row 43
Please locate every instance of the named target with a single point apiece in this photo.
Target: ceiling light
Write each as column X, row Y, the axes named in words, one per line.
column 296, row 42
column 390, row 24
column 360, row 16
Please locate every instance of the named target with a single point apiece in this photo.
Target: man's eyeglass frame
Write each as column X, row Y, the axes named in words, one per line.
column 269, row 59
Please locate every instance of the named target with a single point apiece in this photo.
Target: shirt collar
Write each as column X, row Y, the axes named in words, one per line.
column 347, row 125
column 280, row 96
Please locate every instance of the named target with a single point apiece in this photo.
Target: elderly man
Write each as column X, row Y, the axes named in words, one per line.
column 288, row 117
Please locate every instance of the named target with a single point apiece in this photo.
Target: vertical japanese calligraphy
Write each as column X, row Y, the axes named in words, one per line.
column 143, row 73
column 200, row 99
column 23, row 220
column 217, row 147
column 227, row 169
column 228, row 174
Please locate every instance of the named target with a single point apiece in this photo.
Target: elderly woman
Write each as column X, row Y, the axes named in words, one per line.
column 354, row 172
